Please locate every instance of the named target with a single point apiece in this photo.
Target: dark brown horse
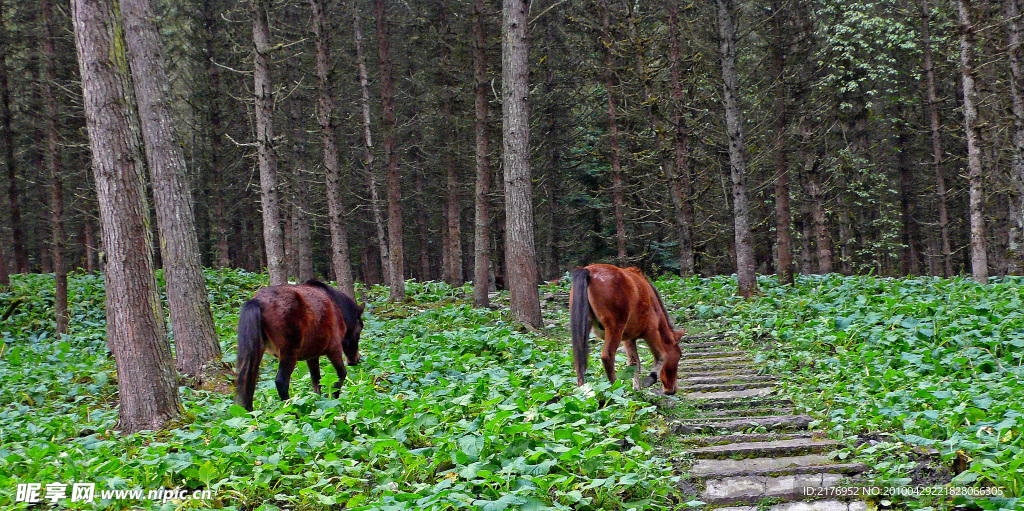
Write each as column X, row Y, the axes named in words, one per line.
column 622, row 305
column 296, row 322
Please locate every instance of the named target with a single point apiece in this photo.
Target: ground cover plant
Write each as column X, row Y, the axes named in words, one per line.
column 452, row 407
column 935, row 363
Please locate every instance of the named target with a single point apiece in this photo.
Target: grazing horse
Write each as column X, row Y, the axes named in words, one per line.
column 622, row 305
column 301, row 322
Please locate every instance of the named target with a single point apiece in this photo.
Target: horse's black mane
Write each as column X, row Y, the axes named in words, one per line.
column 349, row 309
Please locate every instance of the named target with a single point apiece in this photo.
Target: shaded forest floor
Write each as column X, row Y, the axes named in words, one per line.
column 455, row 406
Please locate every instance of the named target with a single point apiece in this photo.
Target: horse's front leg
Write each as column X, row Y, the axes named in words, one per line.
column 656, row 366
column 634, row 360
column 284, row 375
column 314, row 373
column 337, row 358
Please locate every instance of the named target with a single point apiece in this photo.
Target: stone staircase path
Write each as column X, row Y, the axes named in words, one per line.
column 782, row 467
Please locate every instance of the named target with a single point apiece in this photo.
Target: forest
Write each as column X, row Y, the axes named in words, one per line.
column 833, row 187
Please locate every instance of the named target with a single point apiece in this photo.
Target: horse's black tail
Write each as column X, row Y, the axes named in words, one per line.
column 250, row 352
column 579, row 322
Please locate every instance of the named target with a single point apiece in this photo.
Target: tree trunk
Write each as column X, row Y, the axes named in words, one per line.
column 979, row 259
column 195, row 337
column 273, row 236
column 368, row 158
column 737, row 159
column 821, row 239
column 936, row 135
column 219, row 216
column 520, row 252
column 783, row 218
column 911, row 241
column 613, row 137
column 53, row 166
column 20, row 259
column 678, row 174
column 1015, row 51
column 340, row 258
column 146, row 378
column 453, row 214
column 393, row 182
column 301, row 257
column 481, row 199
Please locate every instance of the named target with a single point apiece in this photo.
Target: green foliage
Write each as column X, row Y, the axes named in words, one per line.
column 937, row 362
column 450, row 408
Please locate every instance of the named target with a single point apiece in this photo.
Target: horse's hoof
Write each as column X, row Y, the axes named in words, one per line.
column 649, row 380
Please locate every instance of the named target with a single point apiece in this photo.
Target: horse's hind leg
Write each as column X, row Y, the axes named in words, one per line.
column 314, row 373
column 337, row 359
column 613, row 336
column 284, row 375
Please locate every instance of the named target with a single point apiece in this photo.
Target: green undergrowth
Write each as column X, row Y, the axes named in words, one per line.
column 935, row 362
column 452, row 407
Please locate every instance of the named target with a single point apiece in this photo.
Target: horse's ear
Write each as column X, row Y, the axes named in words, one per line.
column 362, row 307
column 679, row 335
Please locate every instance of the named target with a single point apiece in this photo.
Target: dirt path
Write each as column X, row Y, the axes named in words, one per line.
column 780, row 467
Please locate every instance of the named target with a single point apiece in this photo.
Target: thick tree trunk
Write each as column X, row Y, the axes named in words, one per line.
column 783, row 218
column 146, row 378
column 936, row 136
column 520, row 252
column 195, row 337
column 393, row 182
column 218, row 208
column 481, row 199
column 820, row 222
column 20, row 259
column 340, row 256
column 678, row 174
column 1015, row 52
column 300, row 258
column 368, row 158
column 453, row 215
column 53, row 166
column 273, row 236
column 421, row 228
column 979, row 258
column 613, row 137
column 737, row 158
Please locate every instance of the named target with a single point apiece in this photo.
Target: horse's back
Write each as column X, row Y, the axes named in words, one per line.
column 621, row 296
column 300, row 319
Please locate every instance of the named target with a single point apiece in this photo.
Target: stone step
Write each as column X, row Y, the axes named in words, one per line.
column 727, row 378
column 817, row 505
column 748, row 437
column 784, row 465
column 685, row 346
column 724, row 404
column 790, row 447
column 718, row 387
column 730, row 394
column 720, row 362
column 734, row 413
column 770, row 423
column 712, row 354
column 721, row 372
column 755, row 489
column 726, row 366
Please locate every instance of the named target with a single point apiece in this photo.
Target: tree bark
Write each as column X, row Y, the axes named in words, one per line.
column 340, row 255
column 215, row 131
column 481, row 199
column 613, row 137
column 936, row 136
column 54, row 168
column 737, row 159
column 146, row 378
column 20, row 259
column 273, row 236
column 783, row 218
column 520, row 252
column 821, row 239
column 393, row 182
column 911, row 241
column 979, row 258
column 453, row 215
column 368, row 158
column 1015, row 51
column 195, row 337
column 677, row 171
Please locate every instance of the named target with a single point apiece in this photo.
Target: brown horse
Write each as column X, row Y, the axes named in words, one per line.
column 301, row 322
column 622, row 305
